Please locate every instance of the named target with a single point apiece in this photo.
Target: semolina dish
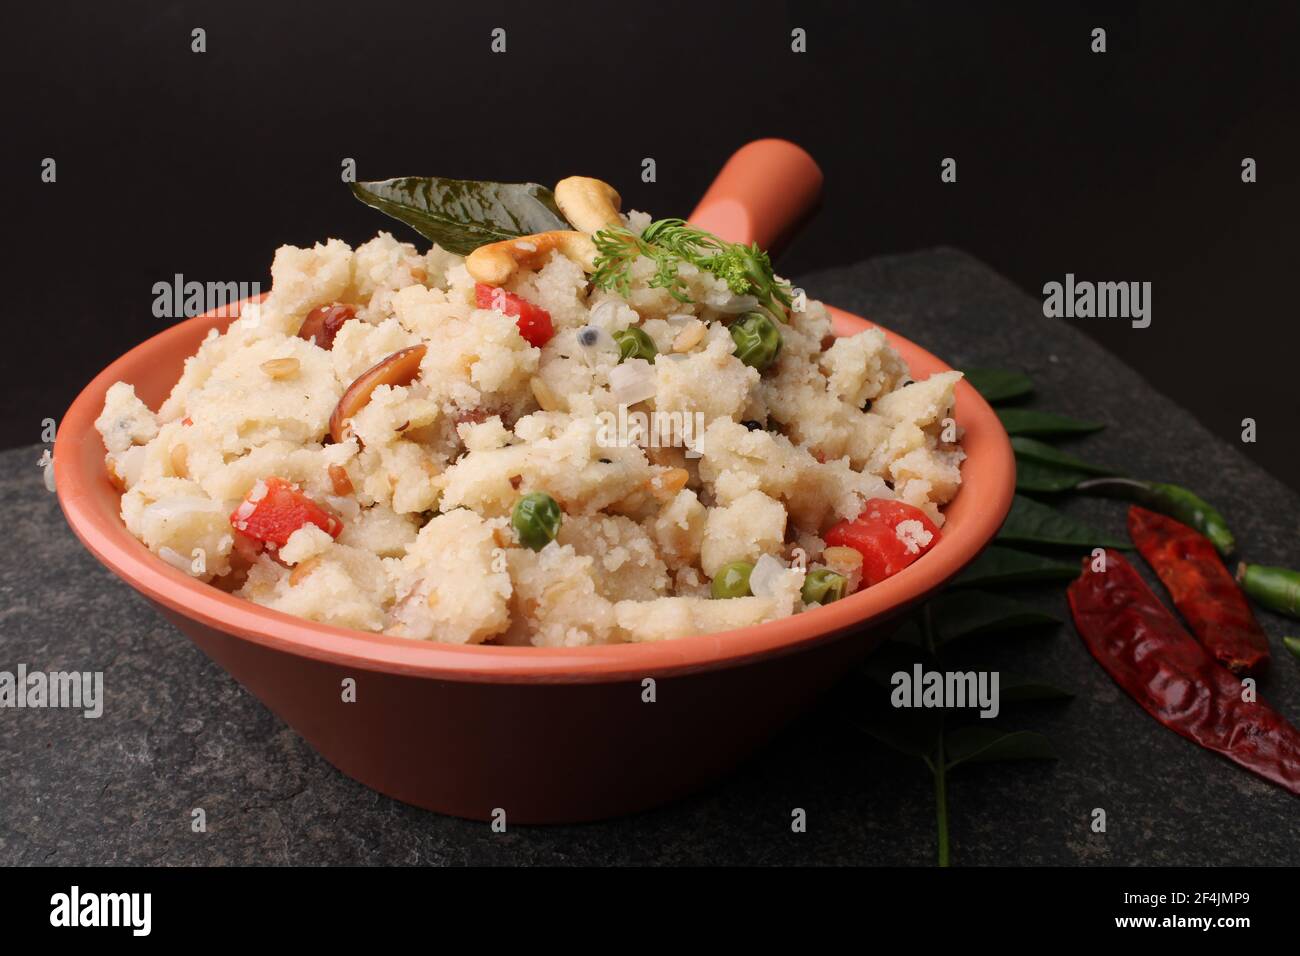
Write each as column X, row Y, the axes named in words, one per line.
column 613, row 430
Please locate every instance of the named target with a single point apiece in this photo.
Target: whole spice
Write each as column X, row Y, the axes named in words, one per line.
column 1278, row 589
column 1173, row 677
column 1203, row 590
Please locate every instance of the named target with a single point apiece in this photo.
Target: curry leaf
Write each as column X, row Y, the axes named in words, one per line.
column 461, row 214
column 866, row 705
column 1030, row 449
column 1293, row 645
column 914, row 731
column 967, row 612
column 889, row 658
column 998, row 565
column 979, row 744
column 1016, row 688
column 1040, row 478
column 1027, row 421
column 1030, row 522
column 999, row 385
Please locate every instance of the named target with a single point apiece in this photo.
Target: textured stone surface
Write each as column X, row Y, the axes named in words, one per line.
column 177, row 733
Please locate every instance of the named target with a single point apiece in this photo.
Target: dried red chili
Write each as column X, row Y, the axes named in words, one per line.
column 1202, row 588
column 1161, row 666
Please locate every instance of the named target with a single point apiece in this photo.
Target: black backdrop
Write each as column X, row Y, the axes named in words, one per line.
column 1122, row 166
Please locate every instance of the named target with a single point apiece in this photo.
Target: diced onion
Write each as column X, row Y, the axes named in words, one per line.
column 174, row 558
column 766, row 576
column 607, row 316
column 167, row 508
column 601, row 344
column 736, row 304
column 632, row 381
column 346, row 506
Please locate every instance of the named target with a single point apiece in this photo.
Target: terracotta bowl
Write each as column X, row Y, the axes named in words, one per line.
column 545, row 734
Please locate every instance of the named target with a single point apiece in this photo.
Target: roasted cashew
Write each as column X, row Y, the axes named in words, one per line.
column 589, row 204
column 494, row 264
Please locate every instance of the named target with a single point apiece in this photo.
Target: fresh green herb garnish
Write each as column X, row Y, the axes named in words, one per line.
column 668, row 243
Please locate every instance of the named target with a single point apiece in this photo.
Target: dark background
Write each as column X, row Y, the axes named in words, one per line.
column 1122, row 166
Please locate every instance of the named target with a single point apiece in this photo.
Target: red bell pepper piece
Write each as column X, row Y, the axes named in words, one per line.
column 1202, row 588
column 276, row 508
column 888, row 534
column 534, row 322
column 1173, row 677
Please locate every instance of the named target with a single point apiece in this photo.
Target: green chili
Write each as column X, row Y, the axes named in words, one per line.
column 634, row 343
column 1172, row 500
column 758, row 340
column 1278, row 589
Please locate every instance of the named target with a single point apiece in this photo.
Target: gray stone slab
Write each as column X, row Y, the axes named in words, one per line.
column 177, row 733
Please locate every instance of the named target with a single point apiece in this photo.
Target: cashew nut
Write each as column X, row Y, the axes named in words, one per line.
column 589, row 204
column 400, row 368
column 494, row 264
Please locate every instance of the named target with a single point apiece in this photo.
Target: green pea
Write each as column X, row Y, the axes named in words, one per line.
column 536, row 519
column 732, row 580
column 822, row 586
column 634, row 343
column 758, row 340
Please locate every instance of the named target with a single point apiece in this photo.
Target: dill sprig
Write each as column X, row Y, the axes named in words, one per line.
column 747, row 270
